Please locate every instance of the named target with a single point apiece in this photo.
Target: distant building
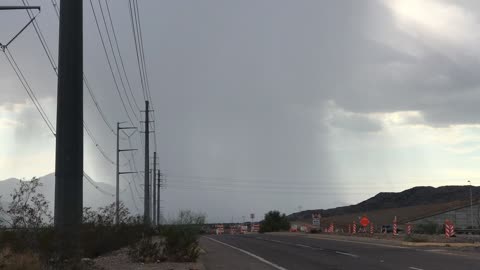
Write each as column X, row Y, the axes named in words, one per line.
column 461, row 216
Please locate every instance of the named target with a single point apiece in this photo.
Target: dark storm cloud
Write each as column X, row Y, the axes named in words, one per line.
column 241, row 89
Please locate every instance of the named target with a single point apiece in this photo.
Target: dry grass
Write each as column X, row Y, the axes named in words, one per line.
column 19, row 261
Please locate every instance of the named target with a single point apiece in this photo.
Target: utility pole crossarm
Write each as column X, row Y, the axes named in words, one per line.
column 121, row 150
column 19, row 7
column 2, row 46
column 126, row 172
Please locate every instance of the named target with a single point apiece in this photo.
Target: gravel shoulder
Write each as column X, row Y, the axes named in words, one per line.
column 119, row 260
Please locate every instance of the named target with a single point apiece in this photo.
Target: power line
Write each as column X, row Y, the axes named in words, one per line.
column 109, row 63
column 93, row 183
column 41, row 37
column 142, row 51
column 34, row 99
column 115, row 59
column 28, row 89
column 55, row 7
column 55, row 68
column 99, row 109
column 120, row 55
column 39, row 107
column 137, row 50
column 97, row 145
column 138, row 38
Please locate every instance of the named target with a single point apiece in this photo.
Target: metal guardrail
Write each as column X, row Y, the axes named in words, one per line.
column 467, row 231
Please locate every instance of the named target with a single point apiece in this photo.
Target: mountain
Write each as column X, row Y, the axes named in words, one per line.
column 92, row 197
column 417, row 196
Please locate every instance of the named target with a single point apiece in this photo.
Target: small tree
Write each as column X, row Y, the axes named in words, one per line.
column 3, row 220
column 106, row 215
column 274, row 222
column 28, row 209
column 188, row 217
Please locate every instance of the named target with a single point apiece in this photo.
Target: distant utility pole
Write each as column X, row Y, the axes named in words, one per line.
column 471, row 204
column 159, row 181
column 154, row 183
column 69, row 137
column 117, row 186
column 146, row 210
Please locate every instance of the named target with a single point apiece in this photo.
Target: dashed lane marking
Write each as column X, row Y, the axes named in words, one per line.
column 249, row 254
column 414, row 268
column 347, row 254
column 356, row 242
column 300, row 245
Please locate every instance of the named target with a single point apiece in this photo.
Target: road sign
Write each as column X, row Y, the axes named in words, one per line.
column 252, row 216
column 449, row 229
column 364, row 221
column 316, row 219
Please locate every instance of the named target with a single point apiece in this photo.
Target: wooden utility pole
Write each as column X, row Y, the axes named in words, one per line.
column 69, row 136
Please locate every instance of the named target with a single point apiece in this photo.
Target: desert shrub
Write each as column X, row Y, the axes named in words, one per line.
column 274, row 222
column 428, row 228
column 189, row 217
column 28, row 208
column 415, row 239
column 181, row 242
column 10, row 260
column 99, row 239
column 147, row 251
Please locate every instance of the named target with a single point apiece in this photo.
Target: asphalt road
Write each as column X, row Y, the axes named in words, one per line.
column 260, row 252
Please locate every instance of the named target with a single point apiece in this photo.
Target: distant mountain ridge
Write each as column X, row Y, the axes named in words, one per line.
column 422, row 195
column 91, row 196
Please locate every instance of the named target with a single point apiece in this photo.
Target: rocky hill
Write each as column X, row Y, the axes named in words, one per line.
column 388, row 200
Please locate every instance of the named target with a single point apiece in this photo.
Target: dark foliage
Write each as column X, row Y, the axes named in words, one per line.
column 181, row 242
column 274, row 222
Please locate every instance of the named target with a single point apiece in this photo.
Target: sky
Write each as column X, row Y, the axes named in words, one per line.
column 269, row 104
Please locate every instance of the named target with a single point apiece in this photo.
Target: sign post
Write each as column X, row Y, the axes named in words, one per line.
column 395, row 226
column 449, row 229
column 316, row 220
column 409, row 229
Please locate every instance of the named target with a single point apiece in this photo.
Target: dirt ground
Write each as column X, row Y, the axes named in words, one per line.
column 119, row 260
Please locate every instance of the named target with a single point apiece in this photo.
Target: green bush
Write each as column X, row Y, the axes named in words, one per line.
column 98, row 239
column 428, row 228
column 181, row 242
column 415, row 239
column 147, row 251
column 274, row 222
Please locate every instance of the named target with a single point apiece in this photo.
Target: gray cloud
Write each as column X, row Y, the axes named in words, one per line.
column 240, row 90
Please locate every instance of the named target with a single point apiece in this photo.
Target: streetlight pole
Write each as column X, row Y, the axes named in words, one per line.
column 471, row 204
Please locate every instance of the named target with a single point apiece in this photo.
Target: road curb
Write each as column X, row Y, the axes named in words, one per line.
column 435, row 244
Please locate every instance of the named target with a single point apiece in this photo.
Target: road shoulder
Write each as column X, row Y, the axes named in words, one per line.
column 218, row 256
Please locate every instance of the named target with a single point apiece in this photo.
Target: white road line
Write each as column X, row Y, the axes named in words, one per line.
column 356, row 242
column 300, row 245
column 414, row 268
column 276, row 241
column 249, row 254
column 347, row 254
